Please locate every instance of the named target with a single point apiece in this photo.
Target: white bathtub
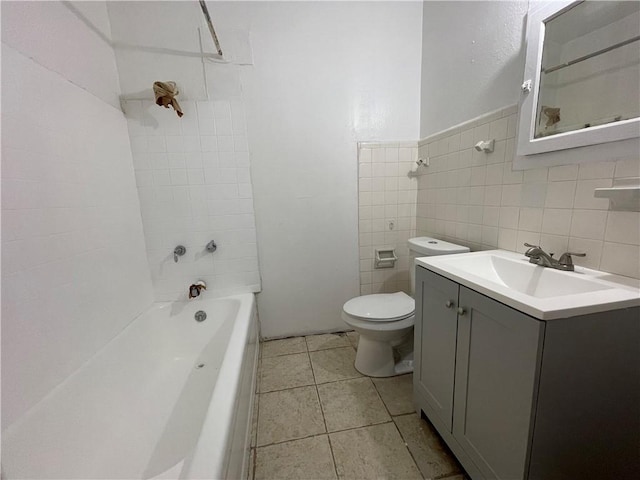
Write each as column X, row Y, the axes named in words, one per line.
column 144, row 407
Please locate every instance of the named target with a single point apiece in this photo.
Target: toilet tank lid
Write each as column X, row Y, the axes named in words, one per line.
column 381, row 307
column 433, row 246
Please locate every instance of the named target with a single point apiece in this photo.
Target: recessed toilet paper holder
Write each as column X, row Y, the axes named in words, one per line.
column 385, row 258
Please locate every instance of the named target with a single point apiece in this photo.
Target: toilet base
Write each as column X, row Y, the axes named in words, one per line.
column 375, row 358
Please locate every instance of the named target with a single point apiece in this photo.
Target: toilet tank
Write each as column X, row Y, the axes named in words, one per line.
column 429, row 247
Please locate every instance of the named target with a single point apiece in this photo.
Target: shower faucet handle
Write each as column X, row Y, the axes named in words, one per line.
column 178, row 252
column 211, row 246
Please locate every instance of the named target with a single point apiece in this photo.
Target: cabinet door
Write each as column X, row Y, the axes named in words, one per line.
column 496, row 375
column 435, row 342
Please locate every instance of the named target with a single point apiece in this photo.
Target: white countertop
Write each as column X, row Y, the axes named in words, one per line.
column 543, row 293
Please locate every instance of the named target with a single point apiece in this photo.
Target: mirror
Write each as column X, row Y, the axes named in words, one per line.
column 590, row 67
column 581, row 81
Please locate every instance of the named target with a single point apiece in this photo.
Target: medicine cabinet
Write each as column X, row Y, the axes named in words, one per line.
column 582, row 77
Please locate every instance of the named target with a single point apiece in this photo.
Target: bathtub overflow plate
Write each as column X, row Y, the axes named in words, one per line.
column 200, row 316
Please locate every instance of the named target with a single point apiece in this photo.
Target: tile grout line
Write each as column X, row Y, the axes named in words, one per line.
column 313, row 435
column 254, row 460
column 312, row 384
column 324, row 419
column 406, row 445
column 325, row 433
column 375, row 387
column 254, row 450
column 311, row 351
column 322, row 409
column 333, row 457
column 461, row 470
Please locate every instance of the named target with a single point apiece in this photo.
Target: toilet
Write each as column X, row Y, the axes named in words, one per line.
column 385, row 320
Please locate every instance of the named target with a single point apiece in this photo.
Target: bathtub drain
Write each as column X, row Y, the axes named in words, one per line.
column 200, row 316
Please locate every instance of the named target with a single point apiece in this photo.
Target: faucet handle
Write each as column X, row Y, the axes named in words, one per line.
column 565, row 258
column 178, row 252
column 532, row 249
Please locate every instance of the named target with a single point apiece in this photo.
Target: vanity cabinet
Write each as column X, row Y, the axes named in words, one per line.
column 515, row 397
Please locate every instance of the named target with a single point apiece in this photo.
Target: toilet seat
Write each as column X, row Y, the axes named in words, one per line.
column 379, row 326
column 380, row 307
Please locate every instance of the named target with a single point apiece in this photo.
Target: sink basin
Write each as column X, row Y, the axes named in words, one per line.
column 524, row 277
column 541, row 292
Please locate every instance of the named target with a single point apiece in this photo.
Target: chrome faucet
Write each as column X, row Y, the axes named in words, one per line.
column 178, row 252
column 538, row 256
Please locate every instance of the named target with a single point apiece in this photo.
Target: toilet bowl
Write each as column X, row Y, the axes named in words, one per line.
column 385, row 320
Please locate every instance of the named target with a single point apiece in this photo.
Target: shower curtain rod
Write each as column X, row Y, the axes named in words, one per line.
column 205, row 11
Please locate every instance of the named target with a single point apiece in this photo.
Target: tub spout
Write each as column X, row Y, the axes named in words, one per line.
column 196, row 288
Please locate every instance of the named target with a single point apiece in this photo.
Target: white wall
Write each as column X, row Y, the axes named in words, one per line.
column 54, row 36
column 192, row 172
column 73, row 256
column 472, row 60
column 325, row 76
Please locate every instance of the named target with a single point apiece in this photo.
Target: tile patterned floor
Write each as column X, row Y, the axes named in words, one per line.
column 318, row 418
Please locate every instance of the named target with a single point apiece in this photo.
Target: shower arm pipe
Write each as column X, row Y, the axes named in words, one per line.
column 207, row 17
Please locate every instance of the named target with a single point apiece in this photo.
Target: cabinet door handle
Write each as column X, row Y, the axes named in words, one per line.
column 449, row 304
column 461, row 311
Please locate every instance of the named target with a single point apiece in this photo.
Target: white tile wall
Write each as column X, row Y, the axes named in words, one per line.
column 74, row 271
column 477, row 199
column 194, row 186
column 387, row 212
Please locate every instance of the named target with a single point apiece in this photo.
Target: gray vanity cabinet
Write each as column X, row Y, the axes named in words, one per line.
column 489, row 353
column 438, row 342
column 496, row 359
column 519, row 398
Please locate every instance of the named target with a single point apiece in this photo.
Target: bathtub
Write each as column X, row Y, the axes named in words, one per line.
column 168, row 398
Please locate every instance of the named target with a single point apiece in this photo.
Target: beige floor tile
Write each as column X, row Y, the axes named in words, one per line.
column 373, row 452
column 286, row 346
column 350, row 404
column 327, row 340
column 333, row 365
column 353, row 338
column 427, row 448
column 286, row 371
column 396, row 393
column 309, row 458
column 289, row 414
